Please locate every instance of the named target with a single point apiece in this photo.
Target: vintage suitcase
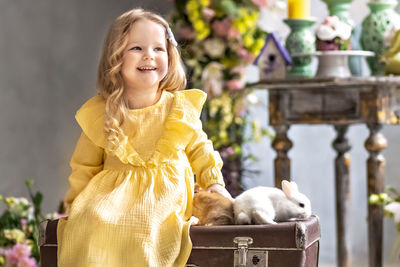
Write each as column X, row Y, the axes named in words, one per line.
column 286, row 244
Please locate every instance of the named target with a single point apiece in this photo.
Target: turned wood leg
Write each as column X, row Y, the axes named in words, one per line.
column 281, row 144
column 342, row 188
column 375, row 143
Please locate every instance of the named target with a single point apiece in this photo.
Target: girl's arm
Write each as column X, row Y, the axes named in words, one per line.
column 205, row 161
column 86, row 162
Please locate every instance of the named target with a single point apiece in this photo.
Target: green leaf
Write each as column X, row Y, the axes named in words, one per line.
column 29, row 183
column 37, row 200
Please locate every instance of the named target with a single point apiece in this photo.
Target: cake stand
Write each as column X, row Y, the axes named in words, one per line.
column 334, row 63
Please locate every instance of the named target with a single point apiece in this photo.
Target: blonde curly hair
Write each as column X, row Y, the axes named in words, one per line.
column 110, row 81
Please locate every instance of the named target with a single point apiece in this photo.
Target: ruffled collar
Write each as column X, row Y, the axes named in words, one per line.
column 179, row 126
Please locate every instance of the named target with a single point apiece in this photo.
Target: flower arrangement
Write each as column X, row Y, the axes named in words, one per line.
column 19, row 229
column 333, row 34
column 218, row 40
column 391, row 203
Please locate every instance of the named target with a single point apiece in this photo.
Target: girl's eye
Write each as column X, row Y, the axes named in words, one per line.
column 136, row 48
column 159, row 49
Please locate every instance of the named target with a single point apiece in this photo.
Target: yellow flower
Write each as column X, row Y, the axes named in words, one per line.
column 248, row 40
column 254, row 16
column 199, row 25
column 249, row 23
column 243, row 12
column 195, row 15
column 238, row 120
column 10, row 201
column 373, row 199
column 257, row 46
column 240, row 26
column 223, row 135
column 256, row 130
column 192, row 5
column 203, row 34
column 15, row 235
column 205, row 2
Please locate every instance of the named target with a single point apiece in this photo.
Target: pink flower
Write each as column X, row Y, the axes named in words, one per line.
column 235, row 85
column 187, row 33
column 27, row 262
column 260, row 3
column 11, row 257
column 23, row 223
column 222, row 27
column 59, row 216
column 227, row 152
column 233, row 33
column 19, row 256
column 21, row 250
column 239, row 69
column 208, row 13
column 246, row 55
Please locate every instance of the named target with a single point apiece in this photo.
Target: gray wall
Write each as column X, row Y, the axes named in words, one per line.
column 49, row 52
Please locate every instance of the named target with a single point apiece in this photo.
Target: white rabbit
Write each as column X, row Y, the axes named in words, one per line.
column 268, row 205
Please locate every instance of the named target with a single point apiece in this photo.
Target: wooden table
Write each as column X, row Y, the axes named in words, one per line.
column 340, row 102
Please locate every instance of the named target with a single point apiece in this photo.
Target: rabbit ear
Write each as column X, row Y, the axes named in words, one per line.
column 287, row 188
column 294, row 186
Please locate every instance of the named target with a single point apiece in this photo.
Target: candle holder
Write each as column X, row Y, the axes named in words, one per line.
column 300, row 40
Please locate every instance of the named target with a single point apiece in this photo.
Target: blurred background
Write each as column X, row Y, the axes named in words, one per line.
column 49, row 51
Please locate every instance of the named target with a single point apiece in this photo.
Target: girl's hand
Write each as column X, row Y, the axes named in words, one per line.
column 217, row 188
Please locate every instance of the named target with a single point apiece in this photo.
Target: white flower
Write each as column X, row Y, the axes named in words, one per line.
column 212, row 79
column 214, row 47
column 332, row 27
column 394, row 208
column 252, row 99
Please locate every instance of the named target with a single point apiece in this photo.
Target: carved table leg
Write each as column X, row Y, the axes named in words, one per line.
column 375, row 143
column 281, row 144
column 342, row 188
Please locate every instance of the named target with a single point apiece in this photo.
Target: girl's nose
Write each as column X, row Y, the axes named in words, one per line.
column 148, row 56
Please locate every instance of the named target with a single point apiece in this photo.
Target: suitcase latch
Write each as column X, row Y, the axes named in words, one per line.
column 243, row 243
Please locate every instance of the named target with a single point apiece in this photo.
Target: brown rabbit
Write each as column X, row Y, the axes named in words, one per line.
column 212, row 208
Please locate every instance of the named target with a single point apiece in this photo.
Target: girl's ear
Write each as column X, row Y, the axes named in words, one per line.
column 287, row 188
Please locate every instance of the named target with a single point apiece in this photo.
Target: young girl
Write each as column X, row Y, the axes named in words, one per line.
column 131, row 187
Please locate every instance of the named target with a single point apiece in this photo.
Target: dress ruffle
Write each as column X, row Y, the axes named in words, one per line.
column 179, row 128
column 90, row 118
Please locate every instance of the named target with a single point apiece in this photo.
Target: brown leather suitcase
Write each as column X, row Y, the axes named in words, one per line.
column 286, row 244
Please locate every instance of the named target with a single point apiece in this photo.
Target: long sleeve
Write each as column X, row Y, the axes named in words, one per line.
column 205, row 161
column 86, row 162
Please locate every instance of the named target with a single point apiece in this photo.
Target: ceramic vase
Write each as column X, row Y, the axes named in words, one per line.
column 381, row 19
column 300, row 40
column 340, row 8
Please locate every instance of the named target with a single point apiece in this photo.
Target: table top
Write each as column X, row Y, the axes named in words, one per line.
column 336, row 82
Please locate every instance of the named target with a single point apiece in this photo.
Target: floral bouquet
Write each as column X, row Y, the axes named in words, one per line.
column 391, row 203
column 219, row 38
column 19, row 229
column 333, row 34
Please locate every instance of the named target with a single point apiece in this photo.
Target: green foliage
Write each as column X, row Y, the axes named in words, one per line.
column 218, row 40
column 19, row 223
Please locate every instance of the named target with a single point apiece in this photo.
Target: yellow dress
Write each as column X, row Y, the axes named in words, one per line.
column 132, row 206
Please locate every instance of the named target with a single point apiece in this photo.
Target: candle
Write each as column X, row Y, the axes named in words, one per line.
column 299, row 9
